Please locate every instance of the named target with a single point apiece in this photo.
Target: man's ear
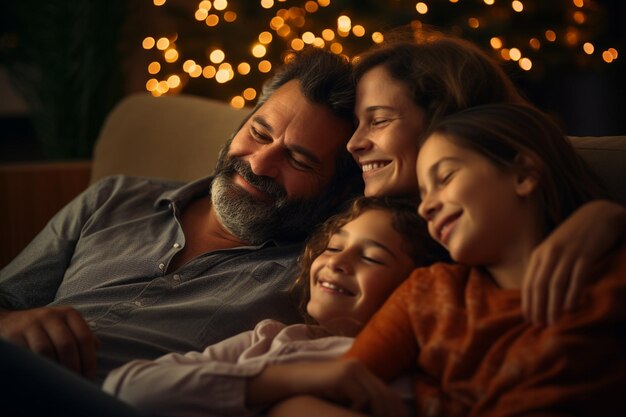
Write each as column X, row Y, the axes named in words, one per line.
column 528, row 173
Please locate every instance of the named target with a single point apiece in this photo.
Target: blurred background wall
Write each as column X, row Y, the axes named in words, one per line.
column 65, row 63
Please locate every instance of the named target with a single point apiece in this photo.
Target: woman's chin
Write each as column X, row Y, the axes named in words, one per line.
column 381, row 190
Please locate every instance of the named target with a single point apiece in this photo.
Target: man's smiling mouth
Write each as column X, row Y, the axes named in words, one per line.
column 251, row 189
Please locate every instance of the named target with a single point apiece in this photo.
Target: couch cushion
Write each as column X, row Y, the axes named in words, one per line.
column 173, row 137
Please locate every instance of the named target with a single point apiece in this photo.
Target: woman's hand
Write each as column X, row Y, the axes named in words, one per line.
column 565, row 261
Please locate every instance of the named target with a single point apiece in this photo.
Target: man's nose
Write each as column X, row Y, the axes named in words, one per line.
column 265, row 161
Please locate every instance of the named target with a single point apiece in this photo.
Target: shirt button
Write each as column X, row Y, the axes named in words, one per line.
column 176, row 277
column 161, row 267
column 176, row 245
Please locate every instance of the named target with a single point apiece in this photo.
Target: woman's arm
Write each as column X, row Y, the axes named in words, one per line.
column 342, row 381
column 387, row 345
column 385, row 349
column 568, row 258
column 308, row 406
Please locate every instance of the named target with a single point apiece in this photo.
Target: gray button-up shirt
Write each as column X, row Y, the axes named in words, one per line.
column 106, row 254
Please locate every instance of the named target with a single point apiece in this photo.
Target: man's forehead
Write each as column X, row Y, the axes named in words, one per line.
column 286, row 96
column 289, row 115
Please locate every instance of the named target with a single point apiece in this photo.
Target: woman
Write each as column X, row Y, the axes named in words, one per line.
column 405, row 86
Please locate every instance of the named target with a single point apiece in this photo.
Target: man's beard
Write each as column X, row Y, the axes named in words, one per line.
column 255, row 221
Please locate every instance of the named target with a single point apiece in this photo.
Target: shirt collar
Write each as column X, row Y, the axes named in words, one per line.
column 182, row 195
column 200, row 188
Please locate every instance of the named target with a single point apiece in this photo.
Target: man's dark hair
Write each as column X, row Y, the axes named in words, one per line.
column 326, row 79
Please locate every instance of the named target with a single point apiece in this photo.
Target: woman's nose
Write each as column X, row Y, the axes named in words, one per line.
column 358, row 142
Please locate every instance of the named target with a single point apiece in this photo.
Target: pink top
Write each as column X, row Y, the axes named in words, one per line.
column 213, row 382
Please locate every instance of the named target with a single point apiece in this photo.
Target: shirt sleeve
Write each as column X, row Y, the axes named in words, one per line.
column 212, row 382
column 387, row 344
column 33, row 277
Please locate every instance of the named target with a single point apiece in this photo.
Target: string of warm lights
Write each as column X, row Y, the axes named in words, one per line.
column 276, row 26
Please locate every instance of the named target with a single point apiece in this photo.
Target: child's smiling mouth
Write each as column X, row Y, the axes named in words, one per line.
column 327, row 285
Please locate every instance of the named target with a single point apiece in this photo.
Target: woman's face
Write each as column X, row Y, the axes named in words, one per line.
column 385, row 144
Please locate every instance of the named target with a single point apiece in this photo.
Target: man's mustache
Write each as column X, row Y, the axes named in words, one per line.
column 264, row 184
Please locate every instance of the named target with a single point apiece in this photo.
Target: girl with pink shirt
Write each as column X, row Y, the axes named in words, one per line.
column 348, row 269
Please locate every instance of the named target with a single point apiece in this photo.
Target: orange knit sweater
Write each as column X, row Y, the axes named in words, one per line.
column 474, row 355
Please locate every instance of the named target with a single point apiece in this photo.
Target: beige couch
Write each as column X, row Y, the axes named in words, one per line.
column 175, row 138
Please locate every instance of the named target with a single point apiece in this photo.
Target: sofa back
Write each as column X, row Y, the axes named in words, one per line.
column 174, row 137
column 606, row 155
column 179, row 137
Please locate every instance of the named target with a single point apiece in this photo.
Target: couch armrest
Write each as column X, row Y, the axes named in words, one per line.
column 31, row 194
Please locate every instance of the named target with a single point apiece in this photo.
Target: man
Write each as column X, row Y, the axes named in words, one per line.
column 135, row 268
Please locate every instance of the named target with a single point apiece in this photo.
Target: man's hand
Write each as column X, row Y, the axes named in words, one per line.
column 346, row 382
column 566, row 260
column 60, row 333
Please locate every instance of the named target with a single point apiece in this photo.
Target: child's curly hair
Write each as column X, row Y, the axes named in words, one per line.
column 404, row 220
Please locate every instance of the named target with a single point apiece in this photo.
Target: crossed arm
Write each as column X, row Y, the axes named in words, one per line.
column 334, row 388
